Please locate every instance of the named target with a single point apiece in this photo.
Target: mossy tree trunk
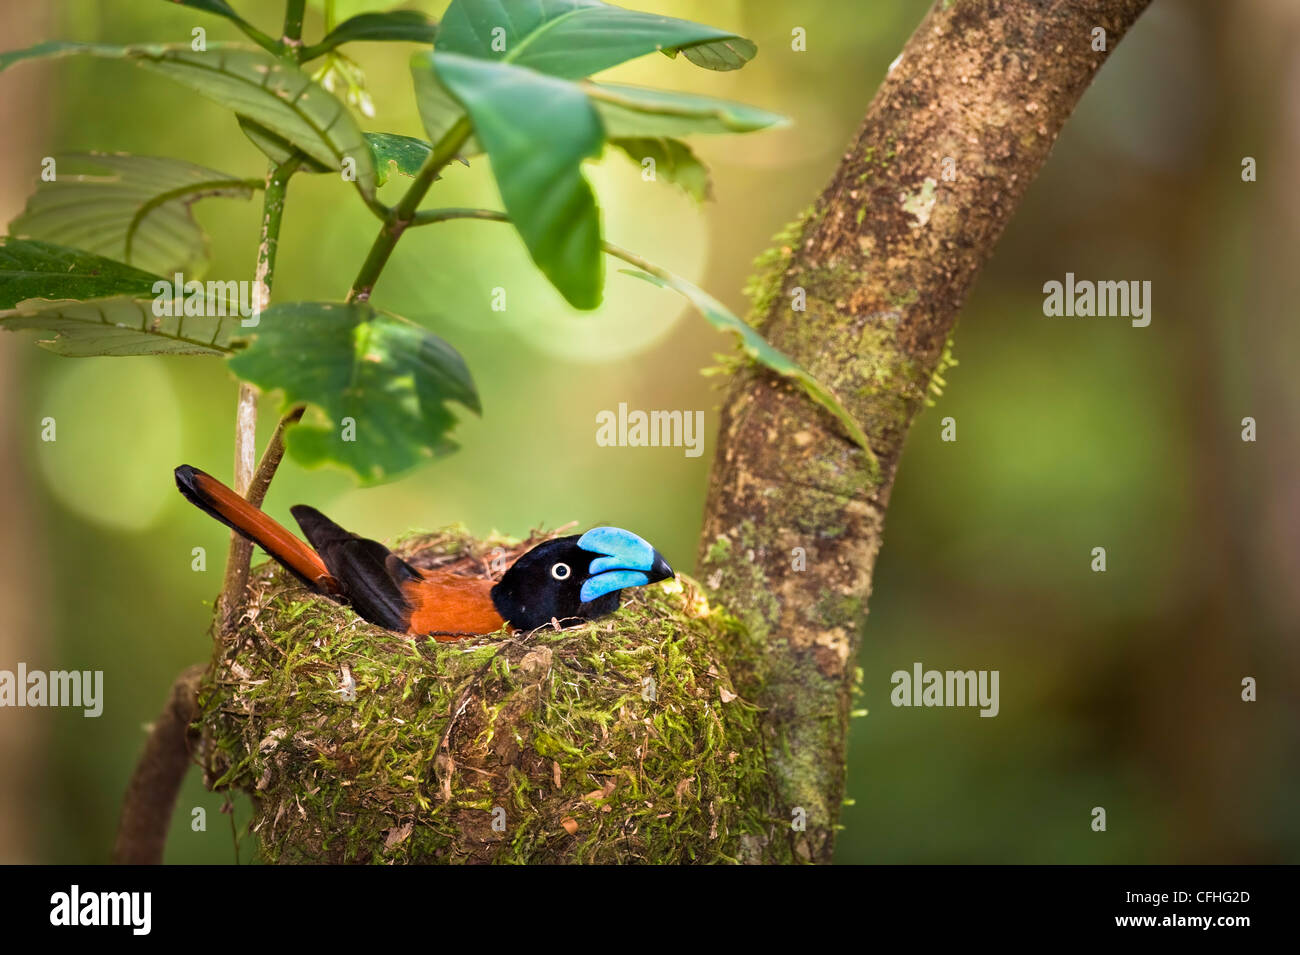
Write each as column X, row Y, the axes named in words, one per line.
column 864, row 291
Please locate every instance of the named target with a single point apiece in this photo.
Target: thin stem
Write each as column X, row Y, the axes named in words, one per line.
column 403, row 214
column 231, row 604
column 272, row 457
column 294, row 11
column 491, row 215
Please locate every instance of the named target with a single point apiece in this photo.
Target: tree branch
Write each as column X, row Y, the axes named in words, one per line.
column 885, row 258
column 231, row 602
column 151, row 794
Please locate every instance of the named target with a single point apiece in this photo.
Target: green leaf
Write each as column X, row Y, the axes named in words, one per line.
column 393, row 378
column 409, row 26
column 405, row 153
column 277, row 148
column 720, row 55
column 223, row 9
column 270, row 91
column 576, row 38
column 439, row 110
column 537, row 130
column 121, row 326
column 31, row 269
column 674, row 161
column 637, row 111
column 105, row 203
column 756, row 347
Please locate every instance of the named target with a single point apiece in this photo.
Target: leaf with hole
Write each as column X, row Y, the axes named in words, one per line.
column 135, row 209
column 383, row 384
column 405, row 154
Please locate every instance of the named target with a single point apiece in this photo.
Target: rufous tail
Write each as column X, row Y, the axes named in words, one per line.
column 221, row 502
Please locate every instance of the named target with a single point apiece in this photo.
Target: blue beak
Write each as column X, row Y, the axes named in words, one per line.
column 627, row 561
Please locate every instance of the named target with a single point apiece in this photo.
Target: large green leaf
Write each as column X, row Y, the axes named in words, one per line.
column 32, row 269
column 135, row 209
column 757, row 347
column 673, row 162
column 637, row 111
column 121, row 326
column 576, row 38
column 439, row 110
column 253, row 83
column 537, row 130
column 392, row 378
column 409, row 26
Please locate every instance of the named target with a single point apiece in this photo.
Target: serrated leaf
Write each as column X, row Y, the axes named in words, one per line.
column 673, row 160
column 757, row 348
column 120, row 326
column 575, row 38
column 270, row 91
column 637, row 111
column 537, row 130
column 393, row 378
column 409, row 26
column 405, row 153
column 32, row 269
column 104, row 202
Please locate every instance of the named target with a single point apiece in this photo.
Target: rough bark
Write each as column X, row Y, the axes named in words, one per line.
column 884, row 261
column 151, row 794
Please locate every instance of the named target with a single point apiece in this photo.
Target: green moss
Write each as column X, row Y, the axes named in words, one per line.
column 622, row 740
column 937, row 382
column 767, row 282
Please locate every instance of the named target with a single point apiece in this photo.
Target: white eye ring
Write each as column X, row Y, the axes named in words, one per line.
column 561, row 571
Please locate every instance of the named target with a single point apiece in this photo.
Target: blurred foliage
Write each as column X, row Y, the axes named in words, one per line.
column 1119, row 689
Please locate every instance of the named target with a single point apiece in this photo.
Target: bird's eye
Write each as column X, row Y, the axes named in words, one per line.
column 560, row 571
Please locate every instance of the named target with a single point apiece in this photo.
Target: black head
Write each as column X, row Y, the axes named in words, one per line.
column 576, row 578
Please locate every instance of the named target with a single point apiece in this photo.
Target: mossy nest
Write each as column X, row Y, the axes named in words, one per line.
column 623, row 740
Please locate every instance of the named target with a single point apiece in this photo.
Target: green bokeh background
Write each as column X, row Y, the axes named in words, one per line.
column 1119, row 690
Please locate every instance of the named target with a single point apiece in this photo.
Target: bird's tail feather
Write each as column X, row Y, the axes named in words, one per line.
column 221, row 502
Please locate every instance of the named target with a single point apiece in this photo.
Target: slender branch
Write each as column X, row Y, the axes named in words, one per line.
column 291, row 40
column 402, row 215
column 272, row 457
column 231, row 603
column 151, row 794
column 432, row 216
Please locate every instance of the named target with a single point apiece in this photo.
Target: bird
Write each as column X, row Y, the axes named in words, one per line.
column 576, row 578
